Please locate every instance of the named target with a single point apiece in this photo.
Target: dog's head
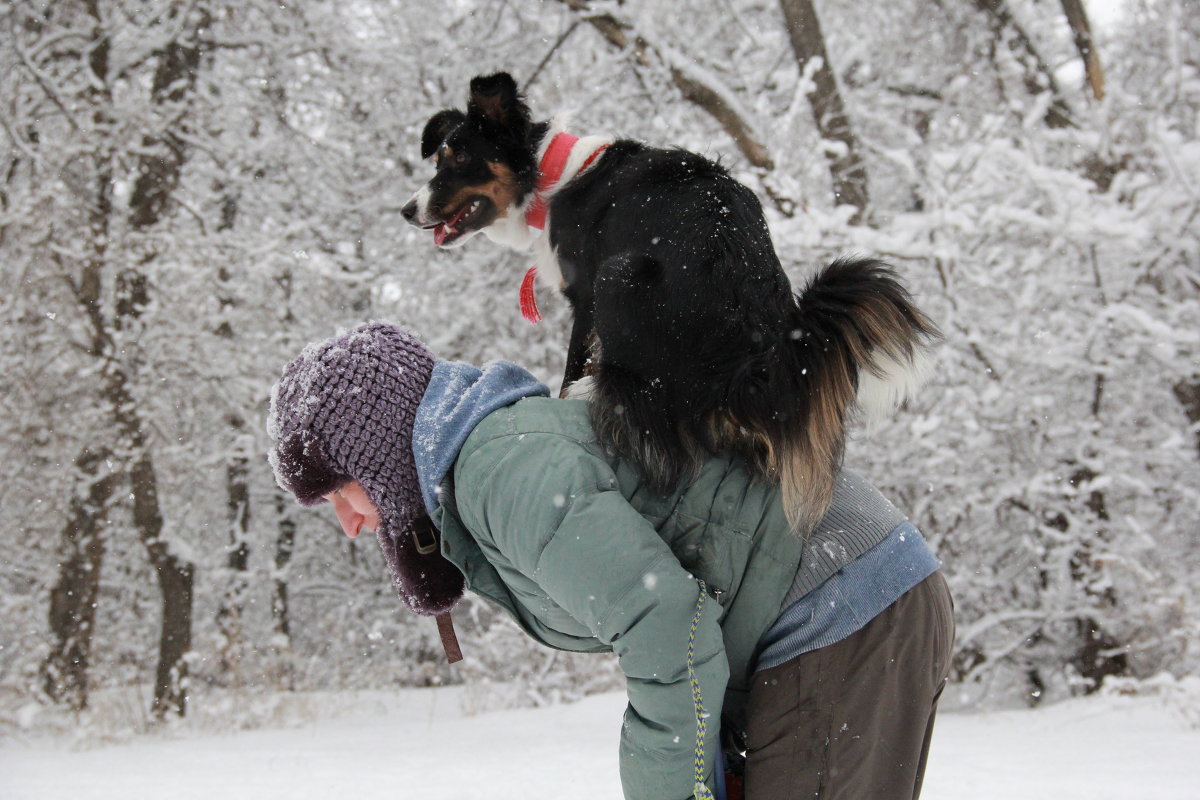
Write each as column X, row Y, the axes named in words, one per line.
column 485, row 161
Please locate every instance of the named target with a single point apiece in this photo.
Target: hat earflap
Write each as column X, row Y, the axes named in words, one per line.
column 302, row 468
column 427, row 583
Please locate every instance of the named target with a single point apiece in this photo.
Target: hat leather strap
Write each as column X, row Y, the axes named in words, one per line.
column 449, row 639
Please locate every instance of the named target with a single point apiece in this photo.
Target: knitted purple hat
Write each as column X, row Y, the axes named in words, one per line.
column 344, row 411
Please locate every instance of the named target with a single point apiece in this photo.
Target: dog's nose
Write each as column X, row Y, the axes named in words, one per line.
column 409, row 212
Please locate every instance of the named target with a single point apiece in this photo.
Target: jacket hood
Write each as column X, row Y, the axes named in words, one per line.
column 457, row 399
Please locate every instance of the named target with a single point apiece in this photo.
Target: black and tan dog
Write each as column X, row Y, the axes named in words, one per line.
column 703, row 346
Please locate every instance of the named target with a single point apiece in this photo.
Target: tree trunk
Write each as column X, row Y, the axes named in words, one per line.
column 1085, row 43
column 232, row 606
column 708, row 98
column 73, row 600
column 163, row 155
column 174, row 581
column 846, row 166
column 159, row 168
column 1097, row 654
column 1038, row 77
column 1188, row 394
column 281, row 645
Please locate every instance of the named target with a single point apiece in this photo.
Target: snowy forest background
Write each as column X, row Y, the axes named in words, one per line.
column 191, row 191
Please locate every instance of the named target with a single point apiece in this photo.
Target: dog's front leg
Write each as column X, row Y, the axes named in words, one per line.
column 581, row 334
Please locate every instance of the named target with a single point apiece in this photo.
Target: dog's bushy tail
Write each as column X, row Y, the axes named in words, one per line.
column 857, row 345
column 778, row 397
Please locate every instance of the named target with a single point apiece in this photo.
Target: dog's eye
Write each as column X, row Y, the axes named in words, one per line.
column 460, row 158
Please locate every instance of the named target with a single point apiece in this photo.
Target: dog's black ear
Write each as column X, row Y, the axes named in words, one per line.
column 495, row 99
column 438, row 127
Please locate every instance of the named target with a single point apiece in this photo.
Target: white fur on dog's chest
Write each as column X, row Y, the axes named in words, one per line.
column 513, row 232
column 549, row 270
column 512, row 229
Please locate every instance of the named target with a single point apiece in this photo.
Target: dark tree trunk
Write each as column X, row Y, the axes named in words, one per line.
column 124, row 431
column 163, row 155
column 280, row 610
column 159, row 169
column 1188, row 394
column 232, row 607
column 1085, row 43
column 284, row 546
column 846, row 165
column 175, row 582
column 174, row 574
column 73, row 600
column 1097, row 654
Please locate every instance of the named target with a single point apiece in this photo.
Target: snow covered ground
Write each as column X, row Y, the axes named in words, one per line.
column 419, row 744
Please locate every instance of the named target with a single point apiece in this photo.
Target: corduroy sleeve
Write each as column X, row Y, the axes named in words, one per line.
column 553, row 511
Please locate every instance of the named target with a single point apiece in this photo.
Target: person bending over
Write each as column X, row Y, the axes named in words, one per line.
column 821, row 658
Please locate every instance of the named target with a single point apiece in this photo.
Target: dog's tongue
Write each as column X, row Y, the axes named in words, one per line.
column 445, row 229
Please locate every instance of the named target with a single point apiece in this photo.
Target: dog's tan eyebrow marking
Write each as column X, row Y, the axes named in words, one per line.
column 443, row 152
column 502, row 173
column 501, row 189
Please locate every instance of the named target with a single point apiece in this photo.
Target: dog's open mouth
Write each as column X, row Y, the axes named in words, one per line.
column 463, row 221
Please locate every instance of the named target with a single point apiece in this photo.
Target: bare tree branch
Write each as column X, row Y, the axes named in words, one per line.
column 829, row 111
column 1038, row 76
column 707, row 97
column 550, row 54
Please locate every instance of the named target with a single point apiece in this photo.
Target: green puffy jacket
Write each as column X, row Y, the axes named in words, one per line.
column 562, row 535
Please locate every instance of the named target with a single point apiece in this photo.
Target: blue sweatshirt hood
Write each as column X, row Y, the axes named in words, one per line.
column 457, row 399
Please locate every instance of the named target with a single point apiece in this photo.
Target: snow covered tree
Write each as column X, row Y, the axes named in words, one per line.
column 1010, row 40
column 828, row 109
column 189, row 194
column 694, row 84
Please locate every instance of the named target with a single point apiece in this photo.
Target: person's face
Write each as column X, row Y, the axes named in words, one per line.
column 354, row 509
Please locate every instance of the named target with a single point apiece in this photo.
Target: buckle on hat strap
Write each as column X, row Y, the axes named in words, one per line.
column 424, row 535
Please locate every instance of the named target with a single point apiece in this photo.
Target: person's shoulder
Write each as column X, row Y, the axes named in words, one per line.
column 530, row 445
column 534, row 432
column 538, row 417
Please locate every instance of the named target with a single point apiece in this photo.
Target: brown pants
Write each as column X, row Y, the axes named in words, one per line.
column 852, row 721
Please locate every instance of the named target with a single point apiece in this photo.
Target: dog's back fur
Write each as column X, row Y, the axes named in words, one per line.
column 701, row 344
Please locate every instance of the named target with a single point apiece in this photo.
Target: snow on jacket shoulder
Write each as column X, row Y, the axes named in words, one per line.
column 562, row 535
